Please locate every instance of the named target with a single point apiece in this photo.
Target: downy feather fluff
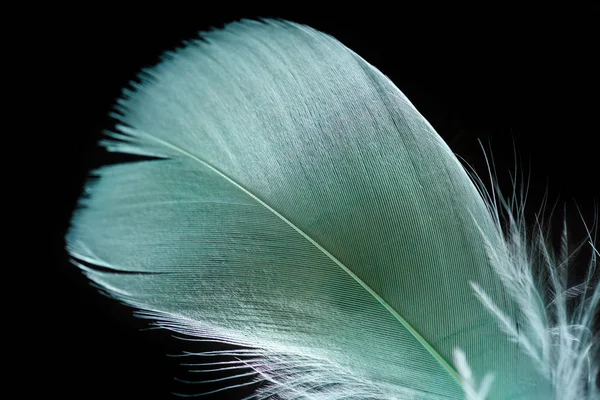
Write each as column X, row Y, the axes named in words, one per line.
column 298, row 205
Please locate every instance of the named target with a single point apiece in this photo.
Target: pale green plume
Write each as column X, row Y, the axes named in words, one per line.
column 301, row 206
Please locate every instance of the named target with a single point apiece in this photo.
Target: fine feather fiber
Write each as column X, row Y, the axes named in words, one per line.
column 296, row 204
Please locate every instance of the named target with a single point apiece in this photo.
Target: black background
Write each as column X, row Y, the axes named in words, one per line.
column 501, row 76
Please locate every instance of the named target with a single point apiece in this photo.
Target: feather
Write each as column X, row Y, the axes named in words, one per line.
column 297, row 205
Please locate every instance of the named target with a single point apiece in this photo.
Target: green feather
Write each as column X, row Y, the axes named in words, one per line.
column 300, row 205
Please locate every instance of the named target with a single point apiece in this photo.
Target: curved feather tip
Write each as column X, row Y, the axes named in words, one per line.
column 299, row 207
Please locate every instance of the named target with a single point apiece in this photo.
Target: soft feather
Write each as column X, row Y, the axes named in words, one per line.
column 560, row 337
column 300, row 206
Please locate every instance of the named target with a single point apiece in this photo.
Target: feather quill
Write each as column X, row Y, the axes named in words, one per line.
column 298, row 205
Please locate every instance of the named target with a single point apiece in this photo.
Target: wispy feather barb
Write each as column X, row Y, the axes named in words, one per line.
column 560, row 338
